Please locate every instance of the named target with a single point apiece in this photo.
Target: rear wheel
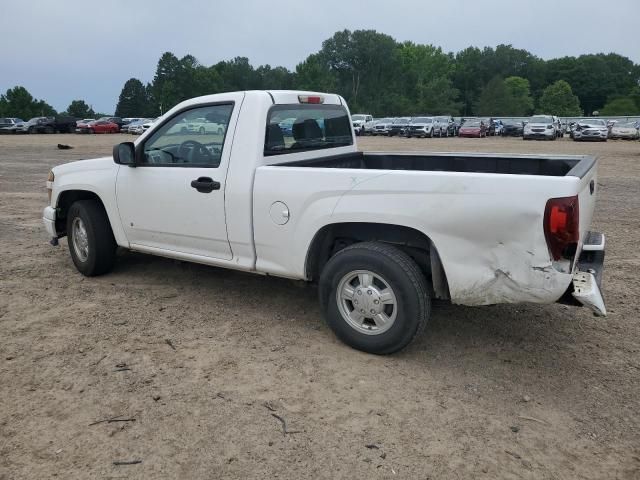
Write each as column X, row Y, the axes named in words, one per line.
column 91, row 242
column 374, row 297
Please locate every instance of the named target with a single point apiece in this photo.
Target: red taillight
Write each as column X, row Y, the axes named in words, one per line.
column 310, row 99
column 562, row 226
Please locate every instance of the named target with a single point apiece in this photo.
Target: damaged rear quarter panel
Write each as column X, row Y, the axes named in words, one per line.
column 487, row 228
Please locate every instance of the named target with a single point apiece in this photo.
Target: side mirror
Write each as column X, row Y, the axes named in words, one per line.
column 125, row 154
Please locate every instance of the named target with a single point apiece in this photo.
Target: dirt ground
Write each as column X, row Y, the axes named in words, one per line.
column 201, row 360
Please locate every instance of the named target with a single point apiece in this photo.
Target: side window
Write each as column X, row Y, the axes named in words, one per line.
column 191, row 138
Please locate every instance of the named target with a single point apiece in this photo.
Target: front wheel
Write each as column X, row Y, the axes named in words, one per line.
column 91, row 242
column 374, row 297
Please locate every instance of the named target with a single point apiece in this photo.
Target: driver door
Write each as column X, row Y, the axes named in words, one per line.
column 173, row 200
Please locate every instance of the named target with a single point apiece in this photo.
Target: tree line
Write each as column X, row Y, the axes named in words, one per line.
column 379, row 75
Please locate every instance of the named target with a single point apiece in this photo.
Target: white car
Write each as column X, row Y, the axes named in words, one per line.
column 624, row 130
column 359, row 120
column 380, row 233
column 591, row 129
column 149, row 123
column 540, row 127
column 420, row 127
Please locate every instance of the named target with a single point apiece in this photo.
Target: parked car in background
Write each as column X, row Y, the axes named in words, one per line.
column 420, row 127
column 624, row 131
column 473, row 128
column 358, row 120
column 382, row 126
column 10, row 124
column 48, row 125
column 512, row 128
column 98, row 126
column 557, row 124
column 117, row 120
column 498, row 127
column 540, row 127
column 136, row 128
column 398, row 126
column 367, row 128
column 149, row 123
column 443, row 126
column 203, row 125
column 591, row 129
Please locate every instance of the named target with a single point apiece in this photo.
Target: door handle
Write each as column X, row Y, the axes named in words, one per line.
column 205, row 184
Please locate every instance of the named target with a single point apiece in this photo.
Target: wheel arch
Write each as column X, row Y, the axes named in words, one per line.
column 332, row 238
column 66, row 198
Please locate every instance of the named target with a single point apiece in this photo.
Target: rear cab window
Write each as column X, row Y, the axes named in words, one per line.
column 305, row 127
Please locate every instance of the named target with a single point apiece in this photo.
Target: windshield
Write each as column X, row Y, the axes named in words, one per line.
column 358, row 117
column 402, row 120
column 471, row 123
column 304, row 127
column 511, row 122
column 541, row 119
column 626, row 125
column 422, row 120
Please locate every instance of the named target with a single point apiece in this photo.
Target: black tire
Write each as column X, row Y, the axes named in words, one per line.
column 404, row 277
column 102, row 245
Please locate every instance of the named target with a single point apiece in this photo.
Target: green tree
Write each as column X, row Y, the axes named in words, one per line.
column 166, row 82
column 79, row 109
column 595, row 78
column 620, row 106
column 314, row 74
column 133, row 100
column 493, row 99
column 635, row 96
column 558, row 99
column 18, row 102
column 362, row 63
column 519, row 100
column 425, row 79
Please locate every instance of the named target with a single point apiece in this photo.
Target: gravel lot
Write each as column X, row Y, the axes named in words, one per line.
column 204, row 359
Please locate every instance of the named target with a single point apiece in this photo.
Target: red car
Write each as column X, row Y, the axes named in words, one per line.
column 99, row 126
column 473, row 128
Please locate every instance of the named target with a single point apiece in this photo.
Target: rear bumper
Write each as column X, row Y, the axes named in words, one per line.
column 587, row 279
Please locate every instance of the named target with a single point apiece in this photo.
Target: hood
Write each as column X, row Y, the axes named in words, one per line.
column 103, row 163
column 624, row 129
column 590, row 125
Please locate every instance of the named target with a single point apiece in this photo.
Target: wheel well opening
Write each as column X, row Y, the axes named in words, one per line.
column 333, row 238
column 65, row 200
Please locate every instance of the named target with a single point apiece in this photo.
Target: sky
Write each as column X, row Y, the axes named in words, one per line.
column 67, row 49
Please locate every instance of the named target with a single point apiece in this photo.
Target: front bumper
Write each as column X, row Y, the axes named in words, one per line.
column 49, row 220
column 590, row 135
column 544, row 134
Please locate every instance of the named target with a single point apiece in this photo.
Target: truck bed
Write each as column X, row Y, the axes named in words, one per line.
column 554, row 166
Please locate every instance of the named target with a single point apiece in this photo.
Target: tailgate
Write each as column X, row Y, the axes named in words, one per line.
column 587, row 172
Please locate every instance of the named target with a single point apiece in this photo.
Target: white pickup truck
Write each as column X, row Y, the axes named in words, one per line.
column 381, row 233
